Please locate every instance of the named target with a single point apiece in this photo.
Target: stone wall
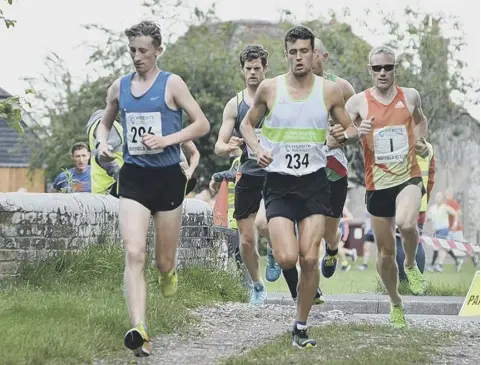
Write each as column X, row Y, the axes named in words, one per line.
column 36, row 226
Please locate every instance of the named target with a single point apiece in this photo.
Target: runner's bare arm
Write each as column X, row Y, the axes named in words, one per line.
column 346, row 88
column 194, row 155
column 352, row 107
column 110, row 113
column 420, row 120
column 341, row 116
column 199, row 125
column 222, row 147
column 254, row 115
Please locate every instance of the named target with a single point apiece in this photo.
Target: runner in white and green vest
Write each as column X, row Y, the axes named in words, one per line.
column 291, row 150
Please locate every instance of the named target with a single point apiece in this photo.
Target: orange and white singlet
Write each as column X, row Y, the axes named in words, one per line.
column 390, row 148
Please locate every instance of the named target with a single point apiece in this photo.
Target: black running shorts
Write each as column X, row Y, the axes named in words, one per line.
column 248, row 195
column 382, row 203
column 338, row 196
column 297, row 197
column 159, row 189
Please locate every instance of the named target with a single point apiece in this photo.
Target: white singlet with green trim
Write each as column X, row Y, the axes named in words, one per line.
column 294, row 131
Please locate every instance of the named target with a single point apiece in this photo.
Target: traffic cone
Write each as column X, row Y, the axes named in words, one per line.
column 221, row 205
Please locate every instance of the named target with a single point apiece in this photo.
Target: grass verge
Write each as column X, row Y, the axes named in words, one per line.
column 434, row 289
column 354, row 281
column 71, row 310
column 350, row 344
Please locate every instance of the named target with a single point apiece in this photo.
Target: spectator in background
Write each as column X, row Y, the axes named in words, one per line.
column 230, row 177
column 76, row 179
column 455, row 225
column 105, row 174
column 205, row 196
column 368, row 242
column 344, row 230
column 439, row 214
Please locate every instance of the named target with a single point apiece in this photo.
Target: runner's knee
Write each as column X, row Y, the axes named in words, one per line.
column 387, row 253
column 406, row 224
column 135, row 253
column 387, row 249
column 286, row 260
column 309, row 262
column 247, row 241
column 261, row 224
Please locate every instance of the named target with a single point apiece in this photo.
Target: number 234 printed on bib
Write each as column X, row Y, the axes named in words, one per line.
column 296, row 157
column 139, row 124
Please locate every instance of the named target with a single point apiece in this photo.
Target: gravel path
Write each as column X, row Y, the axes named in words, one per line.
column 234, row 328
column 463, row 350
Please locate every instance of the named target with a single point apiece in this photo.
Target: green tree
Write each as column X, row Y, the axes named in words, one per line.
column 11, row 108
column 206, row 57
column 68, row 112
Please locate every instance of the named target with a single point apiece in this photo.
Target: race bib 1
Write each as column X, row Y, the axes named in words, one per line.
column 250, row 154
column 391, row 144
column 137, row 125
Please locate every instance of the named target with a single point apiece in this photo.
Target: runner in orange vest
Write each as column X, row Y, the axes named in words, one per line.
column 394, row 186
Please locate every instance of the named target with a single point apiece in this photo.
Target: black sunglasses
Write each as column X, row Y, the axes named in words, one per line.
column 378, row 68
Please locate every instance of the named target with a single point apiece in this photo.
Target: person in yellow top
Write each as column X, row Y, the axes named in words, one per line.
column 427, row 164
column 104, row 175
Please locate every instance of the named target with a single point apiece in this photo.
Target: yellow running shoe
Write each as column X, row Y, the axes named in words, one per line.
column 168, row 283
column 417, row 282
column 137, row 339
column 396, row 317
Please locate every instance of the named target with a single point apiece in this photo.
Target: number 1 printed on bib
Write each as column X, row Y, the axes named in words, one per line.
column 139, row 124
column 391, row 144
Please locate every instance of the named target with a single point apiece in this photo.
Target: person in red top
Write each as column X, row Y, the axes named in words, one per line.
column 394, row 185
column 456, row 227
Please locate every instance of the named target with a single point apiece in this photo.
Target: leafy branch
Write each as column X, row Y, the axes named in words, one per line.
column 8, row 22
column 11, row 110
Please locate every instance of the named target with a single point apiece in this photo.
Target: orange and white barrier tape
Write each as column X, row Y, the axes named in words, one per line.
column 449, row 244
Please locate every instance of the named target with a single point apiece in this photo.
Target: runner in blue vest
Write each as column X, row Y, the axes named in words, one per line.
column 152, row 183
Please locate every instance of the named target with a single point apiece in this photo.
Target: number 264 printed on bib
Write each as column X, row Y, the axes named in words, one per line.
column 139, row 124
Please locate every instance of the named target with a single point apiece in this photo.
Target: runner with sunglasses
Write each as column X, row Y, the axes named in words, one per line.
column 393, row 178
